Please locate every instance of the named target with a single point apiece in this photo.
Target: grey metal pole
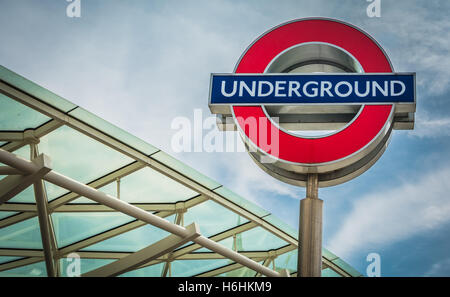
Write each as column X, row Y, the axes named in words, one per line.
column 44, row 227
column 310, row 231
column 44, row 224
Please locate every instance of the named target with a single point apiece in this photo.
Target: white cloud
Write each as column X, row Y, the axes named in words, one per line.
column 238, row 172
column 417, row 37
column 252, row 180
column 428, row 126
column 441, row 268
column 391, row 215
column 140, row 68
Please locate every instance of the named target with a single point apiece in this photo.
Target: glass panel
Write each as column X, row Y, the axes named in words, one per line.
column 185, row 170
column 5, row 214
column 22, row 235
column 5, row 259
column 328, row 272
column 149, row 186
column 113, row 131
column 35, row 90
column 258, row 239
column 282, row 226
column 110, row 189
column 54, row 191
column 73, row 227
column 212, row 218
column 26, row 196
column 32, row 270
column 287, row 261
column 15, row 116
column 131, row 241
column 240, row 272
column 183, row 268
column 86, row 265
column 345, row 266
column 235, row 198
column 227, row 242
column 328, row 255
column 79, row 157
column 153, row 270
column 23, row 152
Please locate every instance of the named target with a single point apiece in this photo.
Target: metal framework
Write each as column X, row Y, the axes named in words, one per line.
column 183, row 243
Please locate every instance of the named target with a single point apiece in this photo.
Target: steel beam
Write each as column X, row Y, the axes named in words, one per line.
column 144, row 255
column 103, row 208
column 47, row 236
column 179, row 219
column 19, row 207
column 6, row 170
column 46, row 230
column 8, row 136
column 184, row 253
column 21, row 253
column 37, row 133
column 58, row 207
column 44, row 225
column 12, row 185
column 16, row 219
column 75, row 247
column 19, row 263
column 98, row 183
column 60, row 118
column 191, row 256
column 220, row 270
column 266, row 263
column 74, row 123
column 124, row 207
column 166, row 267
column 335, row 268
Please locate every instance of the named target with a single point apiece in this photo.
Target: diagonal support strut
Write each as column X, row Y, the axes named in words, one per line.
column 12, row 185
column 144, row 255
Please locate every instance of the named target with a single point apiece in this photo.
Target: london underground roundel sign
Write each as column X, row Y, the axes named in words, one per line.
column 314, row 74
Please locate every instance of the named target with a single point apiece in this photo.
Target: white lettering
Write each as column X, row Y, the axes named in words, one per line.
column 374, row 9
column 361, row 94
column 346, row 83
column 314, row 89
column 243, row 85
column 384, row 91
column 393, row 93
column 74, row 9
column 279, row 88
column 181, row 140
column 260, row 88
column 224, row 93
column 326, row 88
column 374, row 268
column 294, row 89
column 74, row 268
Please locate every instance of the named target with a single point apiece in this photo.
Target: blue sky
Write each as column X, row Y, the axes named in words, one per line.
column 140, row 64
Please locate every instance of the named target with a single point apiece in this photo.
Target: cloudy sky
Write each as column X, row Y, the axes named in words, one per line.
column 141, row 64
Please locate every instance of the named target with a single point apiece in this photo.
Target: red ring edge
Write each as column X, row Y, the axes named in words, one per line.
column 346, row 142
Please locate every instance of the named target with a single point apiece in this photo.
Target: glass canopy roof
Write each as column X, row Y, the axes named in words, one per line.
column 95, row 153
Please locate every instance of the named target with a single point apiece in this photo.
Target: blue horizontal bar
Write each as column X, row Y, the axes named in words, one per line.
column 285, row 89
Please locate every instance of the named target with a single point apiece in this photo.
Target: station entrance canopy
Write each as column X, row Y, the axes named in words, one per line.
column 74, row 183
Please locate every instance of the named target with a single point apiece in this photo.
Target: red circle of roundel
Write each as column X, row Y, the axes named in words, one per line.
column 336, row 146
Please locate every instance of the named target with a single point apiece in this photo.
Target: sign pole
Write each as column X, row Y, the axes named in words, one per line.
column 363, row 105
column 310, row 231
